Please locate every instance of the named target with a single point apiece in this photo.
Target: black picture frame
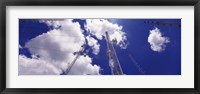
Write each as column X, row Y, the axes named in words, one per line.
column 4, row 3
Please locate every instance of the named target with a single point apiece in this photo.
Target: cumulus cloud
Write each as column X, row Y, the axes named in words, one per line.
column 54, row 23
column 94, row 44
column 36, row 66
column 157, row 41
column 83, row 66
column 98, row 27
column 57, row 47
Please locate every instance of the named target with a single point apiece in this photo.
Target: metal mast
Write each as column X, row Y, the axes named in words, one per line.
column 137, row 65
column 77, row 56
column 113, row 60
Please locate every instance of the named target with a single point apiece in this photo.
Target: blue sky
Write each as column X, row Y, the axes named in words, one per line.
column 136, row 32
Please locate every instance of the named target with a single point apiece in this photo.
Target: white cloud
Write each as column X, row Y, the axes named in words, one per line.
column 52, row 22
column 57, row 47
column 98, row 27
column 33, row 66
column 94, row 44
column 157, row 41
column 83, row 66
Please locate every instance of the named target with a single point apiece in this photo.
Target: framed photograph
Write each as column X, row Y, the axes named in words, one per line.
column 90, row 46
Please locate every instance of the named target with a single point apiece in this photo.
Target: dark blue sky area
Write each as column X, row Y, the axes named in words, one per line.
column 167, row 62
